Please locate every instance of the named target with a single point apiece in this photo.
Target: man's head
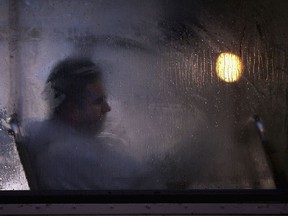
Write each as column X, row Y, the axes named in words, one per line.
column 77, row 84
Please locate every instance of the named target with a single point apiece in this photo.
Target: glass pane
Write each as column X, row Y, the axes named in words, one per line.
column 197, row 91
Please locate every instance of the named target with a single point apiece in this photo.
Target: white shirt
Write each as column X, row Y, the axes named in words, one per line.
column 63, row 159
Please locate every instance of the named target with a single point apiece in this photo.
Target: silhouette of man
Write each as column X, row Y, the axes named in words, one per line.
column 69, row 151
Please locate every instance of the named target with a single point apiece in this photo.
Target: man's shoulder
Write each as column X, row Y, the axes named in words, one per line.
column 34, row 126
column 112, row 139
column 41, row 133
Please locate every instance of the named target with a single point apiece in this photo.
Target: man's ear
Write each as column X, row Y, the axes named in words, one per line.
column 73, row 113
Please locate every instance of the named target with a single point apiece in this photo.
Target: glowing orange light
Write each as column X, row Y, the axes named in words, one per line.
column 229, row 67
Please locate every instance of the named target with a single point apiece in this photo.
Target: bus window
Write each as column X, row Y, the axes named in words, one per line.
column 192, row 94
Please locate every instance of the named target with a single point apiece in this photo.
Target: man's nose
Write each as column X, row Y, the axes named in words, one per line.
column 105, row 107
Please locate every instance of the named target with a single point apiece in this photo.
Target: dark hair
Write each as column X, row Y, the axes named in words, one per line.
column 68, row 80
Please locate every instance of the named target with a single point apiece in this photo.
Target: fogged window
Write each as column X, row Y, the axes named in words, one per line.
column 197, row 90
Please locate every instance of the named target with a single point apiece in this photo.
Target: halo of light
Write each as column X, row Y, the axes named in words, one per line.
column 229, row 67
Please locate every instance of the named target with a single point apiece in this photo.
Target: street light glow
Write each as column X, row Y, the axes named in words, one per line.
column 229, row 67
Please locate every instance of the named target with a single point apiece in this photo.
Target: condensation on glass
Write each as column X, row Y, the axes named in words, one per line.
column 159, row 60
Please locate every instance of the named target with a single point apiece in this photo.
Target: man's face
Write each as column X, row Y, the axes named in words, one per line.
column 95, row 107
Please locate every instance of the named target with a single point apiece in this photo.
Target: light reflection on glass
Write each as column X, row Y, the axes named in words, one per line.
column 229, row 67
